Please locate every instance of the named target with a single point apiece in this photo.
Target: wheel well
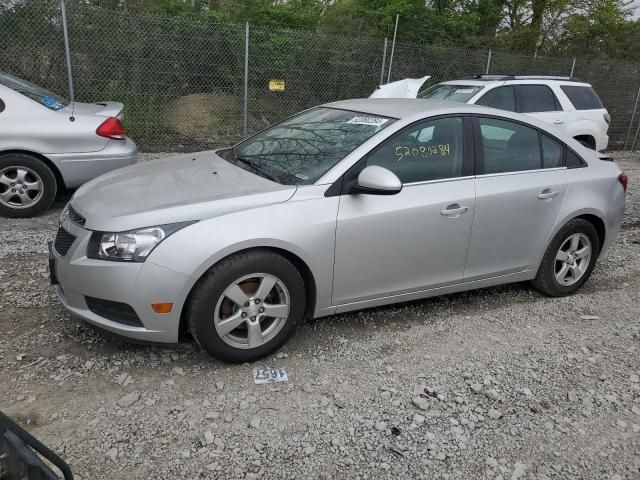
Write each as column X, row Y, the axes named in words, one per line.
column 599, row 226
column 45, row 160
column 301, row 266
column 588, row 139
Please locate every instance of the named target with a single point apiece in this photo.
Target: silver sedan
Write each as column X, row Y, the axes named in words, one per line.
column 47, row 145
column 349, row 205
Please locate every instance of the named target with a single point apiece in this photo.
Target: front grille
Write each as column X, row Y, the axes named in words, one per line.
column 63, row 241
column 114, row 311
column 75, row 217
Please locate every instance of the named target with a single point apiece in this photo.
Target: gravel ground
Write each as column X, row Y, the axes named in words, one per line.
column 514, row 385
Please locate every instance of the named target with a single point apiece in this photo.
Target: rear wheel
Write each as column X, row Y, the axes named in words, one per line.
column 569, row 259
column 247, row 306
column 27, row 185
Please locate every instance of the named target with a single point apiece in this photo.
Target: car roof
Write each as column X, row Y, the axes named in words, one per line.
column 516, row 80
column 398, row 107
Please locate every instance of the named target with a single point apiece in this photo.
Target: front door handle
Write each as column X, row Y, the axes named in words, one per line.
column 453, row 211
column 546, row 194
column 558, row 122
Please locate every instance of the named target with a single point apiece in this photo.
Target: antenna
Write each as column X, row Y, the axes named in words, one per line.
column 67, row 52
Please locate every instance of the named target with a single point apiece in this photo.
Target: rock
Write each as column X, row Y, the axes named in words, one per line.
column 381, row 426
column 418, row 419
column 129, row 400
column 494, row 414
column 572, row 396
column 307, row 388
column 112, row 453
column 386, row 395
column 635, row 409
column 518, row 471
column 178, row 371
column 589, row 317
column 243, row 405
column 421, row 403
column 308, row 451
column 491, row 394
column 208, row 437
column 476, row 387
column 254, row 422
column 219, row 385
column 633, row 378
column 280, row 355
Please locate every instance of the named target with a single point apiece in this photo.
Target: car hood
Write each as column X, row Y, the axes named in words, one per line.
column 407, row 88
column 174, row 189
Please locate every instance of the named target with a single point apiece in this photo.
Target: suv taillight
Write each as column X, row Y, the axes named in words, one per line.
column 112, row 128
column 607, row 118
column 623, row 179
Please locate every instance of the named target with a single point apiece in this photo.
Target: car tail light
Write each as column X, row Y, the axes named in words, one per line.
column 112, row 128
column 607, row 118
column 623, row 179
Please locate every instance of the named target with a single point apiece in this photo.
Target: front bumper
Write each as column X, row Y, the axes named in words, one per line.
column 136, row 284
column 78, row 168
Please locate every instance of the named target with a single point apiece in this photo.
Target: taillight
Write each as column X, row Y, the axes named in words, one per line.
column 112, row 128
column 623, row 179
column 607, row 118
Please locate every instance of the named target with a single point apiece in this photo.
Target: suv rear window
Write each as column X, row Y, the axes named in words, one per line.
column 583, row 98
column 536, row 98
column 453, row 93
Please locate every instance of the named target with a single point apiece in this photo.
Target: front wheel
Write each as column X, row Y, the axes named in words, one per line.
column 569, row 259
column 247, row 306
column 27, row 186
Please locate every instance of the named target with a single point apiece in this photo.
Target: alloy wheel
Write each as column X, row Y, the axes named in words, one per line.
column 20, row 187
column 252, row 310
column 572, row 259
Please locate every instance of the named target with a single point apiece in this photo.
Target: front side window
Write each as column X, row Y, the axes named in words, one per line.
column 536, row 98
column 452, row 93
column 430, row 150
column 509, row 146
column 35, row 93
column 503, row 98
column 303, row 148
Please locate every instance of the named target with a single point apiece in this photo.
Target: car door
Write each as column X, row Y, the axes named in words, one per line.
column 418, row 238
column 540, row 102
column 521, row 183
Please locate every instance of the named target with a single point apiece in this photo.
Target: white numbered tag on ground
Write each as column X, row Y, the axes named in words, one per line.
column 268, row 374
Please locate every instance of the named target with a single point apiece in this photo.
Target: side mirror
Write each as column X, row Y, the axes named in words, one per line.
column 376, row 180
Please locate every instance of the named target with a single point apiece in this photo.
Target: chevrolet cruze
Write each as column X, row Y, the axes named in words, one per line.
column 345, row 206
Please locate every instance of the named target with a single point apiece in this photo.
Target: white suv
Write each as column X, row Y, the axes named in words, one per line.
column 568, row 104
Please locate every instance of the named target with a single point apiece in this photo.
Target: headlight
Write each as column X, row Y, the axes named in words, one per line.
column 131, row 246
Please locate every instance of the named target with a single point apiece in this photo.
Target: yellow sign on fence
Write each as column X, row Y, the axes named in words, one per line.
column 276, row 85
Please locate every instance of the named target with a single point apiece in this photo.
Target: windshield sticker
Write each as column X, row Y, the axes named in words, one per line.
column 464, row 90
column 374, row 121
column 403, row 152
column 301, row 176
column 52, row 103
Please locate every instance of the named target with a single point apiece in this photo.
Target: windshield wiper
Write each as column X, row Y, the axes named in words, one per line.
column 250, row 162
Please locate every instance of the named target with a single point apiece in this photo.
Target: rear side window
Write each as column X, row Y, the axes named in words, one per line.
column 583, row 98
column 509, row 146
column 503, row 98
column 537, row 98
column 574, row 161
column 552, row 152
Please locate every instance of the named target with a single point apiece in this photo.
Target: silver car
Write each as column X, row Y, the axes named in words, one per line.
column 47, row 145
column 349, row 205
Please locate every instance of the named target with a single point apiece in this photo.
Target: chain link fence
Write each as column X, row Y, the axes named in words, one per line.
column 182, row 79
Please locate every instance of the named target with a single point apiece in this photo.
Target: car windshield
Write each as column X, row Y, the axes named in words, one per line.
column 301, row 149
column 453, row 93
column 38, row 94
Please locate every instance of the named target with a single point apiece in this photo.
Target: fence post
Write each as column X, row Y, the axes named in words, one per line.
column 488, row 63
column 633, row 116
column 635, row 138
column 245, row 107
column 573, row 67
column 393, row 47
column 67, row 53
column 384, row 59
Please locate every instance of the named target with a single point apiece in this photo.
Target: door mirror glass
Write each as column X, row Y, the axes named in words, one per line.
column 377, row 180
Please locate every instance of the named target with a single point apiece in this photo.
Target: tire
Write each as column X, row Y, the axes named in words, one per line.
column 209, row 306
column 551, row 268
column 19, row 170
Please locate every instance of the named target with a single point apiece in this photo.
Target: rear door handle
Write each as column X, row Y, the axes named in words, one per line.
column 547, row 194
column 453, row 211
